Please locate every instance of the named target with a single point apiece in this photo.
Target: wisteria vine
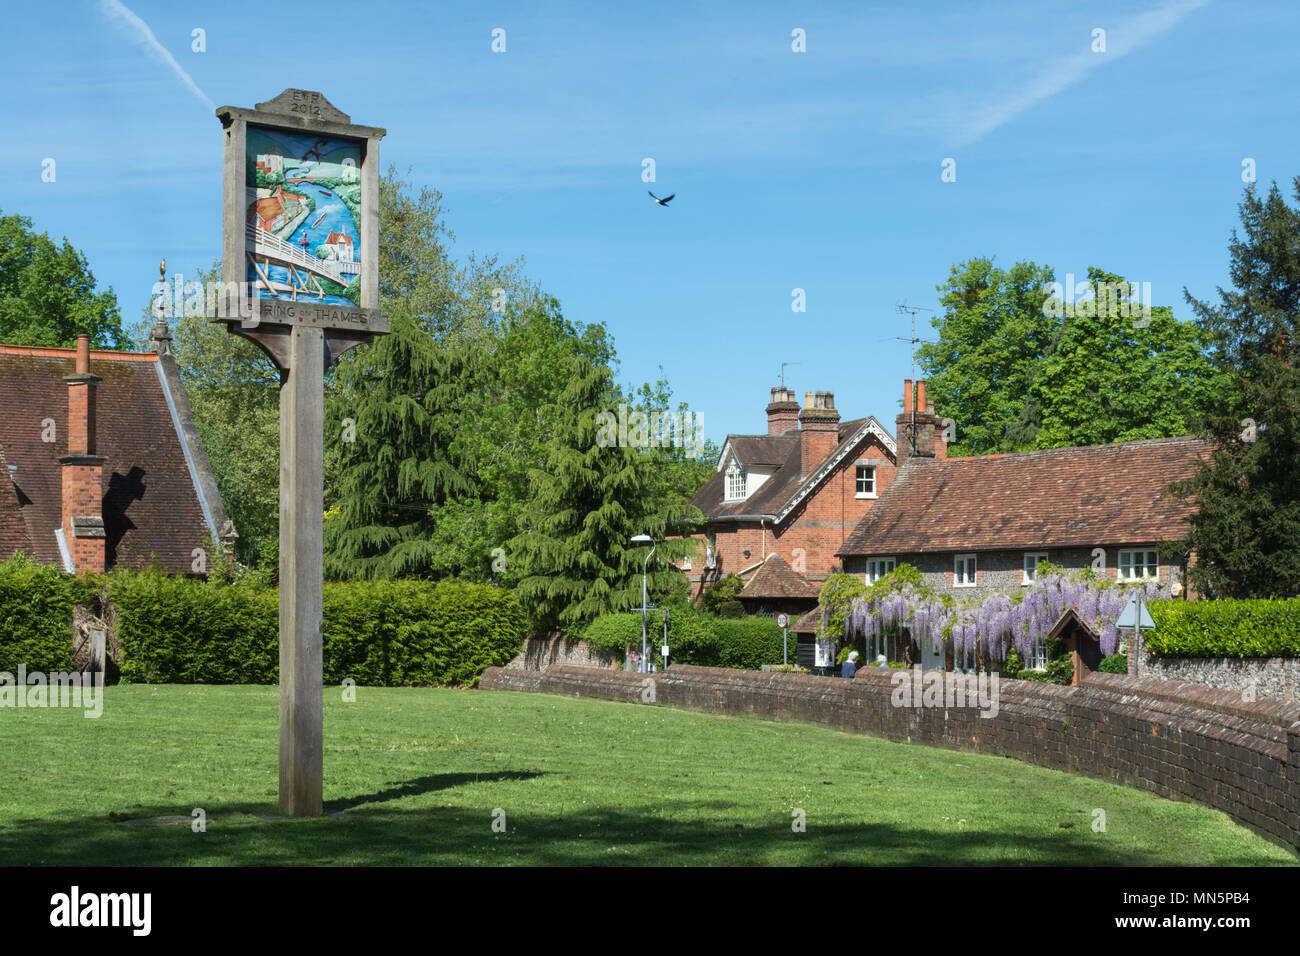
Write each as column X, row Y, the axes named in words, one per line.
column 999, row 621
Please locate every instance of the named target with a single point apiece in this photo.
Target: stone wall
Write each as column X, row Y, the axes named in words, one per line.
column 1276, row 677
column 1175, row 740
column 550, row 649
column 1003, row 571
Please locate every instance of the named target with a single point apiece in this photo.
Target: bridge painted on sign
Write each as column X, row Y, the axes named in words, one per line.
column 265, row 248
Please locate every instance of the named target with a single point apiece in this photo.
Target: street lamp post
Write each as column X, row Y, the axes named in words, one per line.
column 644, row 539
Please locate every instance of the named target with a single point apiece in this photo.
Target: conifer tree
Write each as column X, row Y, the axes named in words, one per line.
column 573, row 554
column 1245, row 534
column 402, row 394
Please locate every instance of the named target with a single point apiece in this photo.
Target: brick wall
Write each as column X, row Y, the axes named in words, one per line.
column 1175, row 740
column 818, row 526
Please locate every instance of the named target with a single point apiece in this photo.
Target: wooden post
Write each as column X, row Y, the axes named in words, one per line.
column 302, row 431
column 303, row 339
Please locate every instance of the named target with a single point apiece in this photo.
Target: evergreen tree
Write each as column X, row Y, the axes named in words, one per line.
column 573, row 555
column 1245, row 534
column 402, row 394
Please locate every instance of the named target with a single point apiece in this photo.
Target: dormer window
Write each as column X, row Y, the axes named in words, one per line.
column 735, row 482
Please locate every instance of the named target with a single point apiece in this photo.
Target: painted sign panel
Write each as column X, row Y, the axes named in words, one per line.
column 302, row 230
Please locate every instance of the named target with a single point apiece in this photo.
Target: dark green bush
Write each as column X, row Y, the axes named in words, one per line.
column 615, row 632
column 1263, row 627
column 722, row 590
column 691, row 635
column 36, row 602
column 178, row 630
column 750, row 642
column 1014, row 663
column 1115, row 664
column 731, row 610
column 693, row 639
column 1060, row 670
column 378, row 633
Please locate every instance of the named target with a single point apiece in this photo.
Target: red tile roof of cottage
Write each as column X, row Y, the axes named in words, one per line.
column 1091, row 496
column 151, row 507
column 776, row 579
column 13, row 529
column 809, row 623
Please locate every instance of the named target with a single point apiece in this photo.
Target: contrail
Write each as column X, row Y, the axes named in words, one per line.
column 1069, row 70
column 139, row 31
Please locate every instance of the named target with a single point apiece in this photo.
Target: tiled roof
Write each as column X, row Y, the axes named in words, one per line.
column 785, row 482
column 151, row 507
column 762, row 449
column 1097, row 495
column 776, row 579
column 13, row 529
column 809, row 623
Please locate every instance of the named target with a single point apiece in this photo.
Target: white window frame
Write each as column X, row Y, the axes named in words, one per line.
column 858, row 479
column 876, row 568
column 1038, row 557
column 1036, row 659
column 1126, row 566
column 960, row 561
column 733, row 474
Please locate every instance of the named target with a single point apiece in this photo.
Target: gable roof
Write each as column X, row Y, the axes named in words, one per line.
column 760, row 449
column 787, row 487
column 1096, row 495
column 153, row 505
column 776, row 579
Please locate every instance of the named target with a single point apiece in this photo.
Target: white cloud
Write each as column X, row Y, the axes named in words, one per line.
column 139, row 31
column 1122, row 40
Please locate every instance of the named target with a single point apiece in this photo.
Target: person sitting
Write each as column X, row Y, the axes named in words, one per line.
column 850, row 666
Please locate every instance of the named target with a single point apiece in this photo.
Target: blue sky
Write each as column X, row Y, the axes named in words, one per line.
column 818, row 170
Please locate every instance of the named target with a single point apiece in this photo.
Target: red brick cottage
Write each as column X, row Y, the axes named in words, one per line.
column 102, row 463
column 796, row 492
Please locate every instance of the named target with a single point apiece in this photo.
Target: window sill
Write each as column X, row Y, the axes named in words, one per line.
column 861, row 496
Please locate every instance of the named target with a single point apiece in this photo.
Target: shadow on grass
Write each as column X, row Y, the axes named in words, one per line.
column 437, row 781
column 378, row 832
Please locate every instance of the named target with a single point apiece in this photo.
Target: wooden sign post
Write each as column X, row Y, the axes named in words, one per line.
column 300, row 226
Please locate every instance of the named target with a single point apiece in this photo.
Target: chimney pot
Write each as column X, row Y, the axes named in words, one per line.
column 920, row 395
column 83, row 354
column 907, row 394
column 783, row 412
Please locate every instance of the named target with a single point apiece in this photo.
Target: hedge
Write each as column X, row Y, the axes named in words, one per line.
column 695, row 638
column 378, row 633
column 36, row 602
column 1263, row 627
column 691, row 635
column 750, row 642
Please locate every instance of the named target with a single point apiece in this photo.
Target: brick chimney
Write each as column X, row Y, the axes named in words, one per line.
column 83, row 470
column 919, row 411
column 783, row 412
column 819, row 429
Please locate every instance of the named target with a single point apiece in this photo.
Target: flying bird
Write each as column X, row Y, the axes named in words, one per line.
column 663, row 202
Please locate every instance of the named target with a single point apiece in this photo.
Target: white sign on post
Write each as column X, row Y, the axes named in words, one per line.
column 1135, row 614
column 1135, row 617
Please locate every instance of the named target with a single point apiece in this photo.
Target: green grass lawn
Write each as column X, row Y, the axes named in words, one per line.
column 413, row 777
